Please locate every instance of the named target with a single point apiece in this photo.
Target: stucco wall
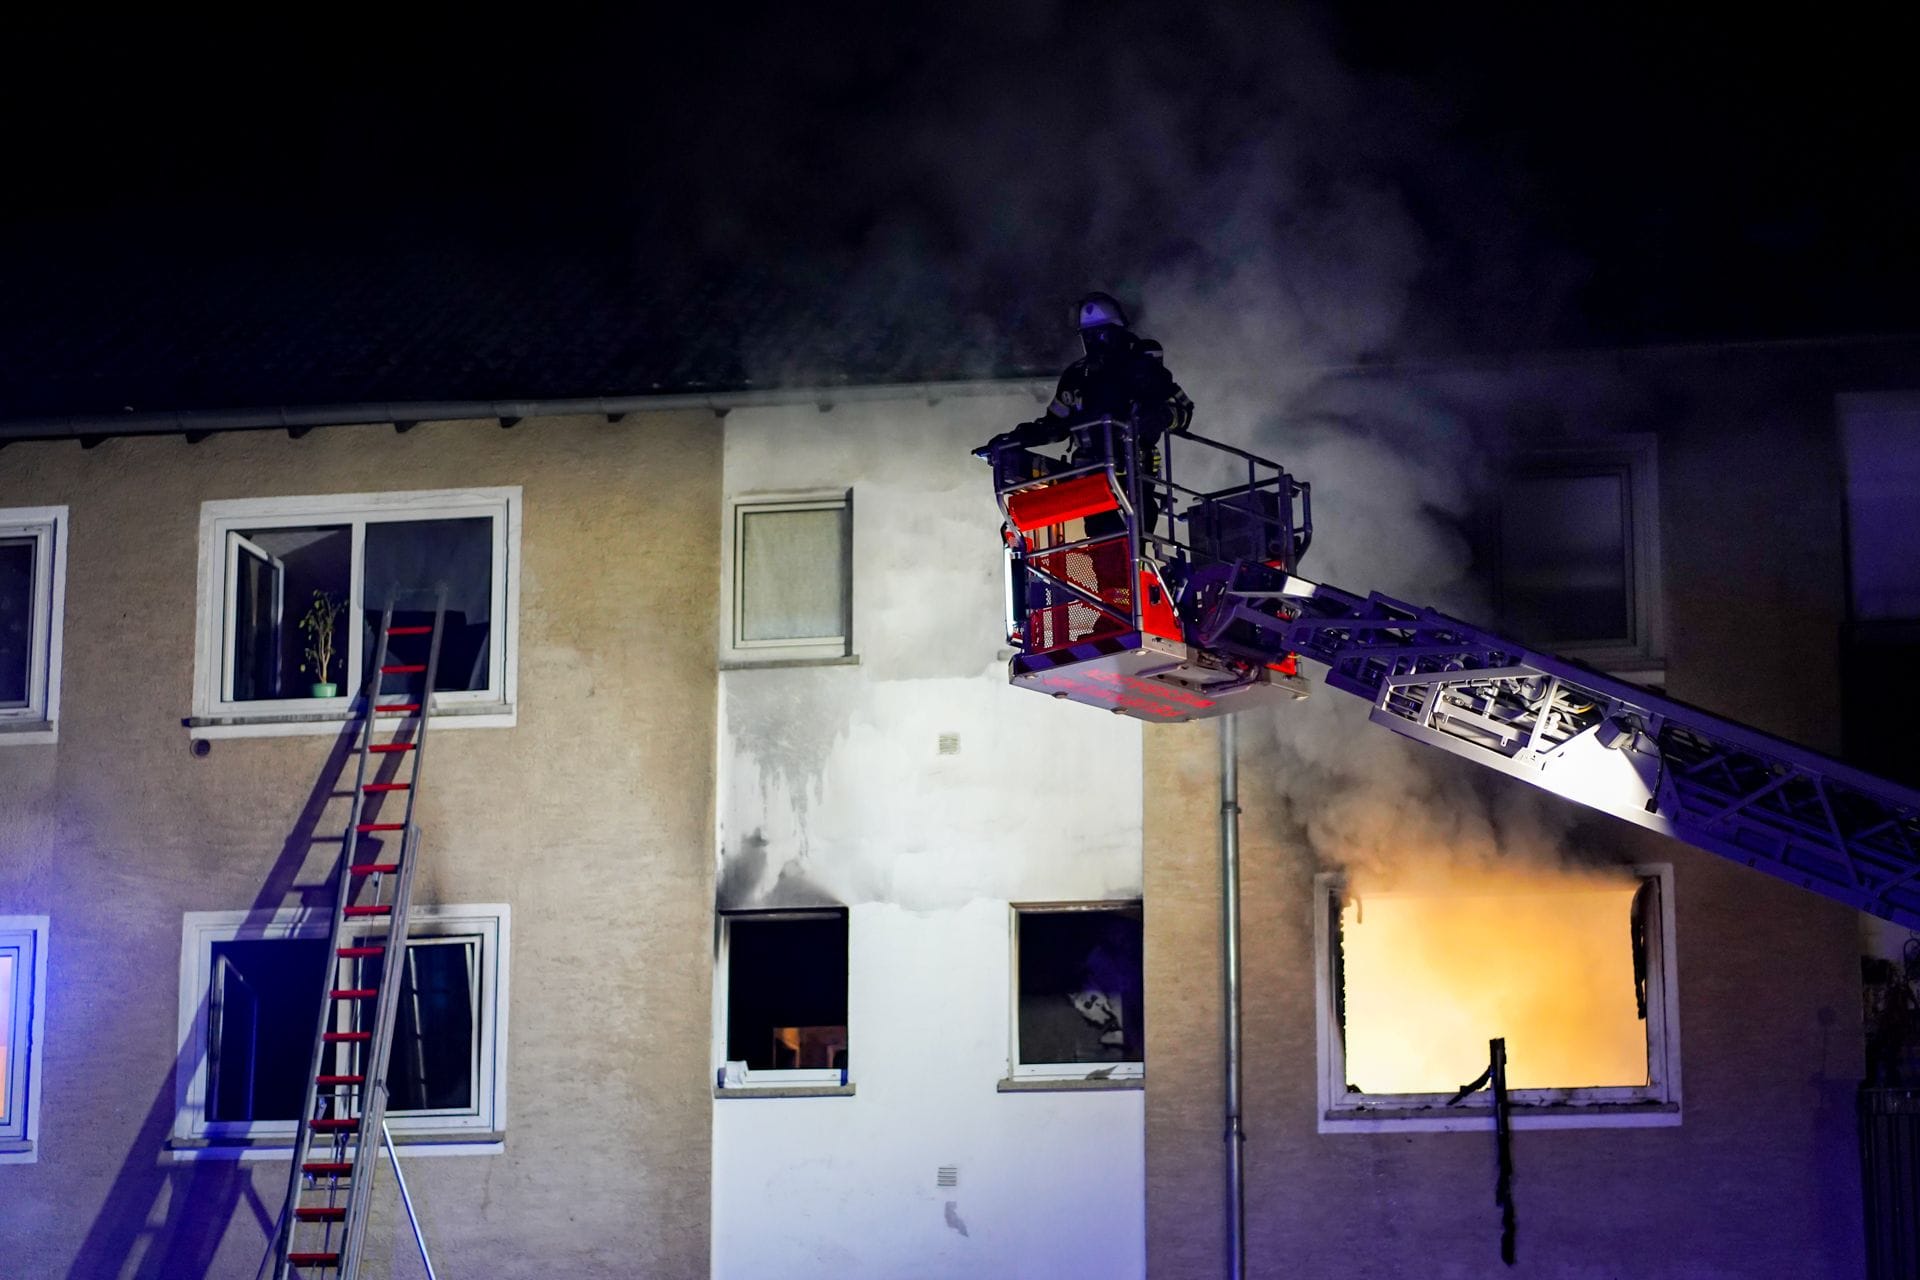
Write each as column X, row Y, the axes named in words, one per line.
column 833, row 790
column 592, row 818
column 1761, row 1177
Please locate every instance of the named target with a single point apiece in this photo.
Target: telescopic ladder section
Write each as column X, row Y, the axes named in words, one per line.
column 336, row 1147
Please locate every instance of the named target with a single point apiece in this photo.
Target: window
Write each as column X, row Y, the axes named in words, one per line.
column 23, row 998
column 33, row 577
column 1882, row 448
column 784, row 1019
column 1573, row 969
column 791, row 595
column 250, row 1000
column 265, row 564
column 1078, row 992
column 1579, row 562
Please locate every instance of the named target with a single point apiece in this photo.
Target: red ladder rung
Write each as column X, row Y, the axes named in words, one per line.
column 382, row 748
column 344, row 1037
column 337, row 1123
column 403, row 669
column 354, row 993
column 321, row 1213
column 363, row 951
column 314, row 1259
column 379, row 826
column 396, row 708
column 409, row 631
column 327, row 1168
column 387, row 786
column 378, row 910
column 372, row 868
column 341, row 1080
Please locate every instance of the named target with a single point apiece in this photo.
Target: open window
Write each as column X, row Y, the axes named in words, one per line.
column 784, row 1009
column 33, row 574
column 1573, row 970
column 250, row 999
column 791, row 595
column 1078, row 992
column 1579, row 558
column 267, row 565
column 23, row 992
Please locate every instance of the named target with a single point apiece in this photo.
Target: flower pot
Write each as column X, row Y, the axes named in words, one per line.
column 326, row 691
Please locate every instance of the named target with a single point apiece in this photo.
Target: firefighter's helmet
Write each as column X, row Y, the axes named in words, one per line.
column 1097, row 310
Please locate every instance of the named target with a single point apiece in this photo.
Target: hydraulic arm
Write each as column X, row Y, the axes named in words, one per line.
column 1168, row 602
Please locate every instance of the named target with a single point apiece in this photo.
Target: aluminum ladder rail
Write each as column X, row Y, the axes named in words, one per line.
column 329, row 1189
column 1602, row 742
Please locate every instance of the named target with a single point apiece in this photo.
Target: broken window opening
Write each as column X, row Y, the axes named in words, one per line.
column 1080, row 991
column 786, row 996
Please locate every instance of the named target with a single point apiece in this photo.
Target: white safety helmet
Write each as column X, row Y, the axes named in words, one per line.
column 1099, row 309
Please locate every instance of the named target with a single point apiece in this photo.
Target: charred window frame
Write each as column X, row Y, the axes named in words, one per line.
column 1650, row 934
column 1078, row 992
column 781, row 1016
column 789, row 595
column 33, row 585
column 23, row 1017
column 1578, row 552
column 249, row 997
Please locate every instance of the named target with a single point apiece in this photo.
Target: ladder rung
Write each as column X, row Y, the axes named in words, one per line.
column 403, row 669
column 396, row 709
column 337, row 1123
column 409, row 631
column 327, row 1168
column 354, row 993
column 387, row 786
column 321, row 1213
column 344, row 1037
column 372, row 868
column 314, row 1259
column 379, row 826
column 363, row 951
column 376, row 910
column 341, row 1080
column 385, row 747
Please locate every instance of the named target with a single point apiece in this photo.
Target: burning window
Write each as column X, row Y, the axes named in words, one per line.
column 1080, row 994
column 786, row 998
column 1572, row 969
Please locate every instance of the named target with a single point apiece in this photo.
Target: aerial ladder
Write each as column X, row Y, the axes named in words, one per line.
column 1173, row 595
column 343, row 1119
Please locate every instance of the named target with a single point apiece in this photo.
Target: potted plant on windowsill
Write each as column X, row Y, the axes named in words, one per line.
column 322, row 616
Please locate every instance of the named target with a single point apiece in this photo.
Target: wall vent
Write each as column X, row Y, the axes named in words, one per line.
column 949, row 744
column 948, row 1175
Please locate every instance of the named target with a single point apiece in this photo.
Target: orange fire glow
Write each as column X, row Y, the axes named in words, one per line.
column 1437, row 966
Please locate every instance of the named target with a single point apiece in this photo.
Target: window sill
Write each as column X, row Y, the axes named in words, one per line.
column 22, row 733
column 293, row 724
column 413, row 1144
column 1069, row 1084
column 783, row 1091
column 19, row 1153
column 1439, row 1119
column 764, row 664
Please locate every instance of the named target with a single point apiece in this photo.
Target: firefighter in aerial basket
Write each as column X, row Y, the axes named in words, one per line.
column 1122, row 375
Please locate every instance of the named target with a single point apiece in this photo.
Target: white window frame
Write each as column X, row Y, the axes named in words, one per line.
column 39, row 720
column 799, row 1077
column 25, row 938
column 217, row 716
column 1018, row 1070
column 1655, row 1104
column 739, row 651
column 1638, row 457
column 479, row 1130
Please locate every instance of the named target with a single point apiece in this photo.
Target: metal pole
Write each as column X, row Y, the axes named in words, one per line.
column 1230, row 930
column 393, row 1158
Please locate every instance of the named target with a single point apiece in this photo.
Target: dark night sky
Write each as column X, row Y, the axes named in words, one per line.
column 1557, row 175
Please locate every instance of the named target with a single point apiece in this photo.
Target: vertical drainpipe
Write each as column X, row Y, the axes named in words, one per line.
column 1230, row 909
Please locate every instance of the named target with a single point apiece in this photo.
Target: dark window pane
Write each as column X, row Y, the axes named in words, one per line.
column 16, row 620
column 278, row 572
column 416, row 563
column 265, row 1004
column 1081, row 993
column 1567, row 558
column 787, row 993
column 433, row 1034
